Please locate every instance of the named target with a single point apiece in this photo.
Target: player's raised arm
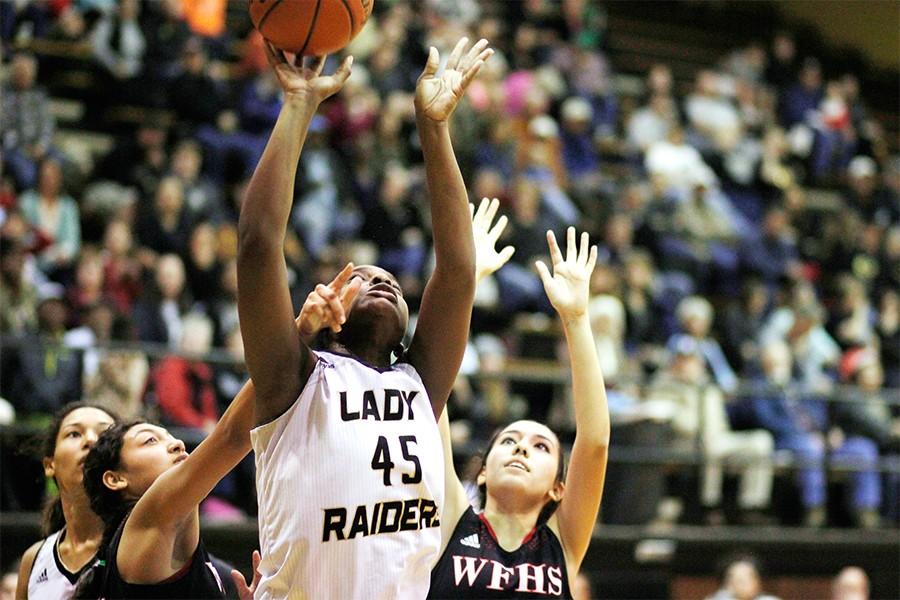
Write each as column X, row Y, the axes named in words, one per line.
column 277, row 360
column 443, row 325
column 567, row 289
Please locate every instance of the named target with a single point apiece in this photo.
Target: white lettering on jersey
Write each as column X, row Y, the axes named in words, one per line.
column 464, row 566
column 531, row 574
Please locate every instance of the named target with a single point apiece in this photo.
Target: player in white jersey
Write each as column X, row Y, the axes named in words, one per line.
column 349, row 465
column 50, row 568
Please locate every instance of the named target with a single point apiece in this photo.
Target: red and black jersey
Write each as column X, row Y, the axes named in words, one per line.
column 475, row 566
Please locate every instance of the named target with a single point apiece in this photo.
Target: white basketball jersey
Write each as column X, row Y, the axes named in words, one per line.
column 350, row 482
column 49, row 577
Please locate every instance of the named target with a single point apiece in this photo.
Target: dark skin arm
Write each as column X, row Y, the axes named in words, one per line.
column 437, row 348
column 278, row 361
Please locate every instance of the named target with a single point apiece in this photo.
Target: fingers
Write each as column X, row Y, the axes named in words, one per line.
column 571, row 248
column 506, row 254
column 349, row 293
column 482, row 209
column 492, row 210
column 244, row 592
column 257, row 558
column 473, row 54
column 495, row 232
column 470, row 73
column 592, row 260
column 453, row 61
column 318, row 64
column 471, row 211
column 433, row 62
column 343, row 72
column 274, row 55
column 555, row 254
column 583, row 250
column 341, row 278
column 544, row 272
column 334, row 304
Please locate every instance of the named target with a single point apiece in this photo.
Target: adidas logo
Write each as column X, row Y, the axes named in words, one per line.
column 471, row 541
column 42, row 578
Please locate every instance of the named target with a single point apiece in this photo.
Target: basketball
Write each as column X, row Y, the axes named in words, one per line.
column 310, row 27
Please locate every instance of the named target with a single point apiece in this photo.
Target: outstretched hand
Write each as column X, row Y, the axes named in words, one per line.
column 303, row 76
column 327, row 305
column 487, row 259
column 568, row 286
column 437, row 94
column 246, row 592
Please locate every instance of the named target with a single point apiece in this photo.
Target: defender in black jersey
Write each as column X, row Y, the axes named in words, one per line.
column 535, row 528
column 147, row 490
column 198, row 578
column 475, row 566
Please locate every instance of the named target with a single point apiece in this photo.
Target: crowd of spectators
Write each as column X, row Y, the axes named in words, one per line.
column 729, row 304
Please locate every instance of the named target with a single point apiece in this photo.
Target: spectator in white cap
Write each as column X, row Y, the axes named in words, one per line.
column 580, row 153
column 876, row 205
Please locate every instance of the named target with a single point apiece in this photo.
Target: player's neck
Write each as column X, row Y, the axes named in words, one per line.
column 510, row 523
column 82, row 524
column 367, row 352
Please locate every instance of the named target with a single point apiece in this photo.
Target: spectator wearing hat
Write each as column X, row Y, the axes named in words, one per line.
column 580, row 154
column 874, row 204
column 700, row 418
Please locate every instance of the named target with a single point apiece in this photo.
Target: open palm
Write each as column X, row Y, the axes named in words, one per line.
column 304, row 77
column 568, row 286
column 438, row 94
column 487, row 259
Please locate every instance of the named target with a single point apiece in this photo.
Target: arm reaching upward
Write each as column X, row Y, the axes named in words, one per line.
column 443, row 326
column 278, row 361
column 165, row 521
column 567, row 289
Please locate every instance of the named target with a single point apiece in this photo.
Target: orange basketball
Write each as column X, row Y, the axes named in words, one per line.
column 310, row 27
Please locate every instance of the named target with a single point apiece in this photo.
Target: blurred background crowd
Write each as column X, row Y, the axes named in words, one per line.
column 745, row 195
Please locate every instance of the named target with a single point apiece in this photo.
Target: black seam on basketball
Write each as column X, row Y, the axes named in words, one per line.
column 266, row 15
column 312, row 27
column 350, row 14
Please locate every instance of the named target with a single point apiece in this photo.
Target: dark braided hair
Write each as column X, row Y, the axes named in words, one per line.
column 550, row 507
column 109, row 505
column 53, row 518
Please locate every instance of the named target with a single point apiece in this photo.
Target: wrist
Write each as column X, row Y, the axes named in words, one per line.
column 302, row 100
column 424, row 121
column 574, row 320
